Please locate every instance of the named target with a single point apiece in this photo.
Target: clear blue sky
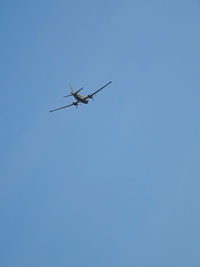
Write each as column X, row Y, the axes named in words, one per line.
column 116, row 182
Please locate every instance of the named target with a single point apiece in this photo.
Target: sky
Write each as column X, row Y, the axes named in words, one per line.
column 115, row 182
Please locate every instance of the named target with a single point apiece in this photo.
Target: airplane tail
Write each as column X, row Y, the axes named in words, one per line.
column 72, row 90
column 73, row 93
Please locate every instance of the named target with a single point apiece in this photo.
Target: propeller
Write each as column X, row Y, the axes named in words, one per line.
column 91, row 97
column 75, row 104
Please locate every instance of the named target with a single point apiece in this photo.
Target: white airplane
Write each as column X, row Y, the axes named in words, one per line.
column 80, row 98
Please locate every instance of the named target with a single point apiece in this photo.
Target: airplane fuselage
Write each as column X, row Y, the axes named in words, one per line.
column 80, row 98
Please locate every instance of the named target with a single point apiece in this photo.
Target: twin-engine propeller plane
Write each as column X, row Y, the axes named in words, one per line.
column 80, row 98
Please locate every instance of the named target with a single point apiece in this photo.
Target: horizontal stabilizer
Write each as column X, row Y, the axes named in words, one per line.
column 79, row 90
column 67, row 95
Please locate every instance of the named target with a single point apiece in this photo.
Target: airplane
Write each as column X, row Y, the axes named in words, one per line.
column 80, row 98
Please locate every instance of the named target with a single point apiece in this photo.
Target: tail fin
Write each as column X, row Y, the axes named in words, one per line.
column 72, row 90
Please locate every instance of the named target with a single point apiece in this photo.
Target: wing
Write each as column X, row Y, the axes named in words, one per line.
column 73, row 104
column 91, row 95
